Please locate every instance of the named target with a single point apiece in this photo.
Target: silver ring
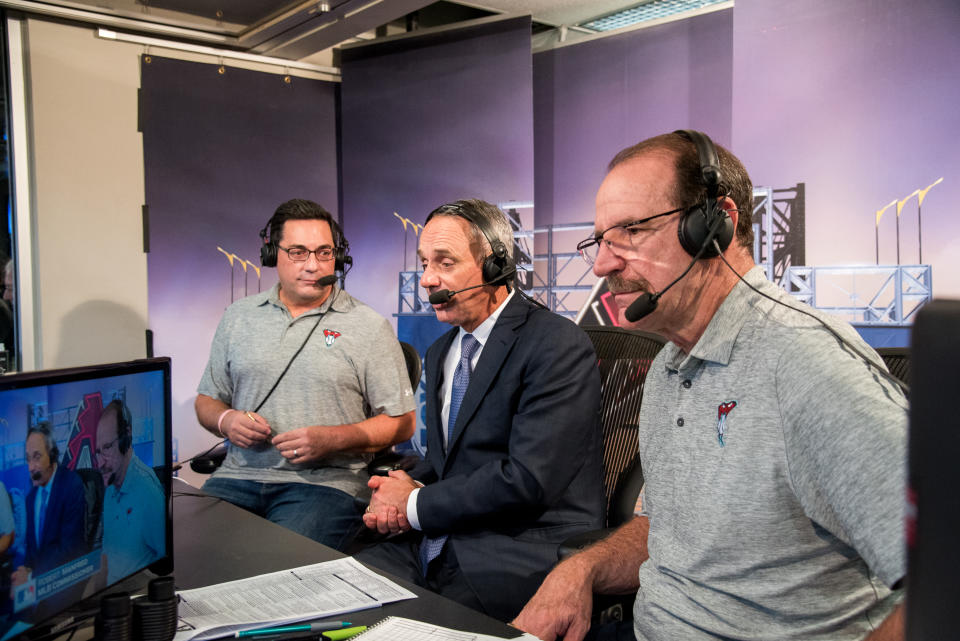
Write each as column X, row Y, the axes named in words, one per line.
column 294, row 452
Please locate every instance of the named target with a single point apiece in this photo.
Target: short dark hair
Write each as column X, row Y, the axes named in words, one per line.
column 302, row 209
column 479, row 212
column 44, row 429
column 690, row 189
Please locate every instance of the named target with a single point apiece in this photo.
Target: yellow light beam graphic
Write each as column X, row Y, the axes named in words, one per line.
column 920, row 197
column 923, row 192
column 243, row 263
column 901, row 203
column 405, row 221
column 880, row 211
column 229, row 256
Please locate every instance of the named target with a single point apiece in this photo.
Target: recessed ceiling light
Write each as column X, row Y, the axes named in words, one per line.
column 646, row 12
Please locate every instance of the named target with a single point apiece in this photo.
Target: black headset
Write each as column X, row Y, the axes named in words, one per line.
column 341, row 248
column 702, row 223
column 498, row 265
column 124, row 425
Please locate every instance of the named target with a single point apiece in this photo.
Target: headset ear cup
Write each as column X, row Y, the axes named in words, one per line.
column 125, row 425
column 693, row 231
column 127, row 440
column 491, row 269
column 497, row 265
column 724, row 234
column 268, row 255
column 268, row 249
column 342, row 258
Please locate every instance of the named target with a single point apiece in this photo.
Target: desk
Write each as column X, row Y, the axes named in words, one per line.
column 215, row 542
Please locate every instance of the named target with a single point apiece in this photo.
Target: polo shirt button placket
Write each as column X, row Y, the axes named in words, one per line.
column 680, row 422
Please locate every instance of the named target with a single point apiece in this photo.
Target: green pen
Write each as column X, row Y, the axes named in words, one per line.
column 346, row 633
column 297, row 627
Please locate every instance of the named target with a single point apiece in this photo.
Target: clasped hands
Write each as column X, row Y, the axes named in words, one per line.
column 301, row 445
column 387, row 512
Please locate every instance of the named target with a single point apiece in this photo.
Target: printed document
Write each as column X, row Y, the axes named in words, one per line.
column 401, row 629
column 300, row 594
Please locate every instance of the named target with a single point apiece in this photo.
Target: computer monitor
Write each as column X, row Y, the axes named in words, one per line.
column 933, row 506
column 85, row 494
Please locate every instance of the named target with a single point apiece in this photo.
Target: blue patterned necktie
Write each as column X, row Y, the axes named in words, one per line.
column 44, row 493
column 430, row 547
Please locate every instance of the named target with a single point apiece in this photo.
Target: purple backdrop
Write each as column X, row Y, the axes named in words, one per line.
column 594, row 98
column 221, row 151
column 427, row 120
column 859, row 100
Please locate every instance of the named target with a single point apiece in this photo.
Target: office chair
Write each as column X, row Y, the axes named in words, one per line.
column 897, row 360
column 624, row 359
column 383, row 461
column 93, row 492
column 386, row 459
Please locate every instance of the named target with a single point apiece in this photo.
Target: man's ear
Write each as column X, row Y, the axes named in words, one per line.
column 730, row 207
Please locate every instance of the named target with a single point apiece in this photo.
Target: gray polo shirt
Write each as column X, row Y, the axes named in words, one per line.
column 351, row 369
column 775, row 476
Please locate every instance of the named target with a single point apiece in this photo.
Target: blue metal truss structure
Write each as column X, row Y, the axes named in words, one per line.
column 563, row 282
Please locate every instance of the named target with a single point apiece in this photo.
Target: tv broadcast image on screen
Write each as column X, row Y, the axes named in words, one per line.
column 84, row 485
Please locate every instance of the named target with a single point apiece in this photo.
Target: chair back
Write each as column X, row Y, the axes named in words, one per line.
column 624, row 358
column 93, row 492
column 897, row 360
column 414, row 365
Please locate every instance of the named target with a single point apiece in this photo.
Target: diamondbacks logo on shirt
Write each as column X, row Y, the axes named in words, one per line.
column 329, row 336
column 723, row 410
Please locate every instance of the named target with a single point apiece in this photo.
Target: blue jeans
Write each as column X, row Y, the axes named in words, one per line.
column 321, row 513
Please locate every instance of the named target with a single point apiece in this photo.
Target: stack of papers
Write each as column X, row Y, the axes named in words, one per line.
column 310, row 592
column 401, row 629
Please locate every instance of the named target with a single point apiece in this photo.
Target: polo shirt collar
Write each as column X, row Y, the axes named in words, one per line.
column 716, row 343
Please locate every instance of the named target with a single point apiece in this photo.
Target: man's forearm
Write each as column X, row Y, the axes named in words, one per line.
column 892, row 628
column 208, row 411
column 614, row 563
column 563, row 604
column 370, row 435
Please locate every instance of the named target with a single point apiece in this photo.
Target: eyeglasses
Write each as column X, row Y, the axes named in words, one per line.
column 618, row 238
column 300, row 254
column 106, row 447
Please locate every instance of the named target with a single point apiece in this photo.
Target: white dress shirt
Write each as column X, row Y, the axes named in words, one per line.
column 481, row 333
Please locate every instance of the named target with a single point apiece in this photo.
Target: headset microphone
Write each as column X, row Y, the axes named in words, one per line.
column 647, row 302
column 643, row 306
column 442, row 296
column 325, row 280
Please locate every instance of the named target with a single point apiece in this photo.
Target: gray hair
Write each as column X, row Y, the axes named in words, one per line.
column 44, row 429
column 480, row 214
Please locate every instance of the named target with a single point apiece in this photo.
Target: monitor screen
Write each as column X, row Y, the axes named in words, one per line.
column 84, row 485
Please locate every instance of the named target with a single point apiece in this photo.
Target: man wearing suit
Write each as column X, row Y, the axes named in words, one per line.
column 55, row 508
column 513, row 464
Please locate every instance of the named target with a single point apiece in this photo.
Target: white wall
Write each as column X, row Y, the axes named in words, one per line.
column 87, row 189
column 89, row 269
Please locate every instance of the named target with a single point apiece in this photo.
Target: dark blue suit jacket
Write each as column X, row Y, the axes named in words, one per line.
column 63, row 525
column 523, row 471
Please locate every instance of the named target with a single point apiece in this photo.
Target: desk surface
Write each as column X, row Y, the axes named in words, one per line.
column 215, row 542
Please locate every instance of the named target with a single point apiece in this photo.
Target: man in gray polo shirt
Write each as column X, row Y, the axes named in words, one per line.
column 305, row 382
column 773, row 453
